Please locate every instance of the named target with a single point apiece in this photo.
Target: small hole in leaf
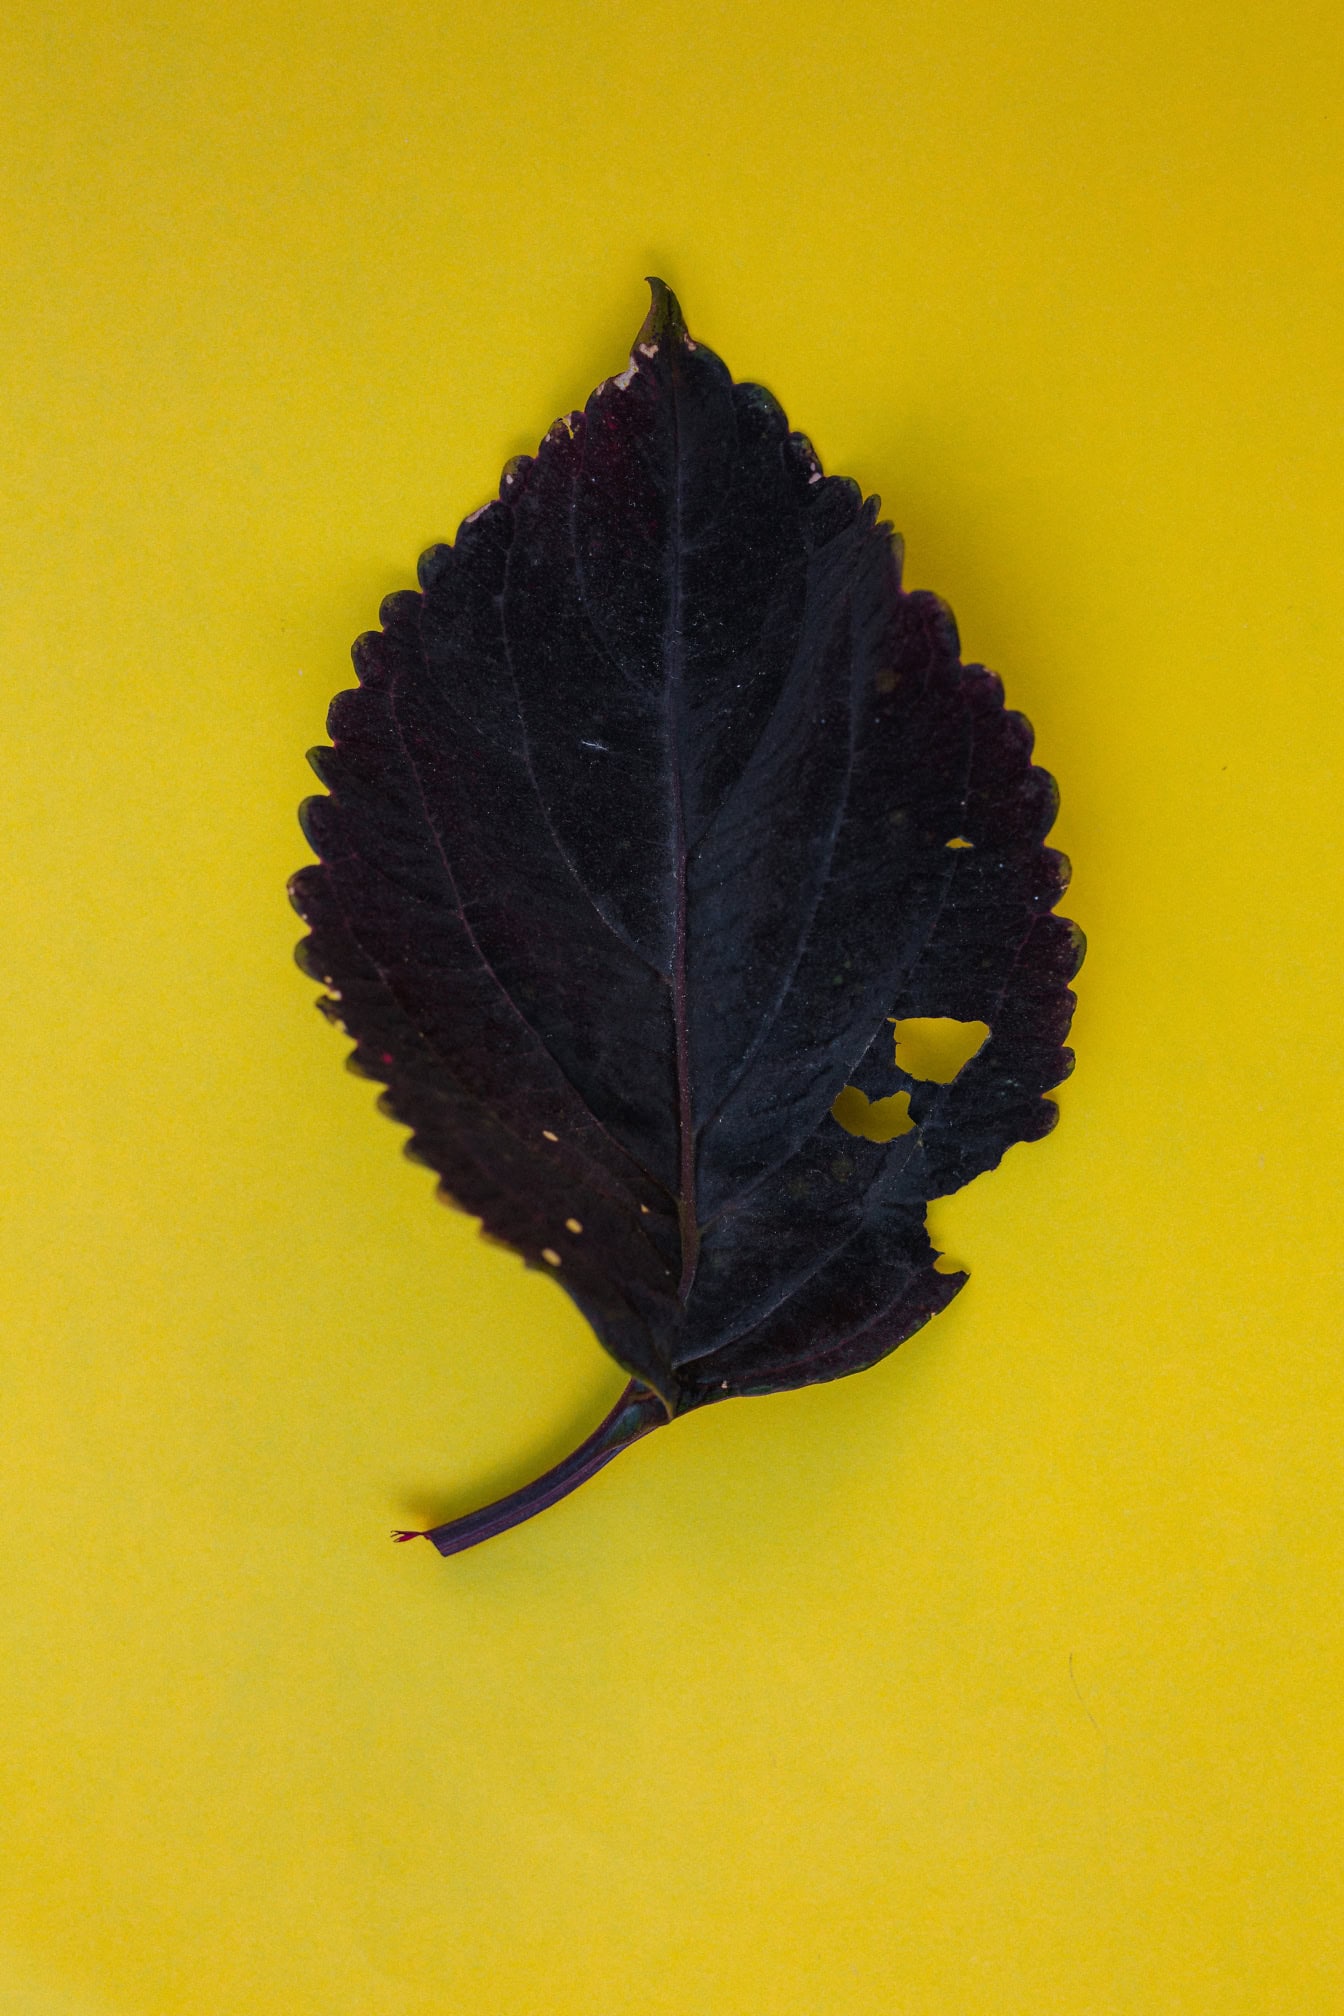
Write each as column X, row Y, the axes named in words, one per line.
column 959, row 842
column 936, row 1047
column 873, row 1119
column 550, row 1256
column 573, row 1225
column 547, row 1135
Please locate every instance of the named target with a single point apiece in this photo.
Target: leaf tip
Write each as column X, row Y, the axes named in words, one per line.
column 664, row 322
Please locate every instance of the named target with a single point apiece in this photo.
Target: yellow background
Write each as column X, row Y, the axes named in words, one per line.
column 1004, row 1678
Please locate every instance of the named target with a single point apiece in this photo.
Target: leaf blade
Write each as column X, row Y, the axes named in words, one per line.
column 653, row 809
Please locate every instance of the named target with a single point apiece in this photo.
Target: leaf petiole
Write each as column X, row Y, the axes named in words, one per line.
column 638, row 1412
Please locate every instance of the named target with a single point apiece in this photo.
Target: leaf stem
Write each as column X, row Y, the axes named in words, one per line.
column 636, row 1413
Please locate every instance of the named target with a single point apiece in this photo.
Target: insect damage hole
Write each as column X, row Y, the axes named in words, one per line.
column 873, row 1119
column 936, row 1047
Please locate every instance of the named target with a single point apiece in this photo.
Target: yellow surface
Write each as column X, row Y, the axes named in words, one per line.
column 1004, row 1678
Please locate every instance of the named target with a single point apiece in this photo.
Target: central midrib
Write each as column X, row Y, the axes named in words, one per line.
column 672, row 657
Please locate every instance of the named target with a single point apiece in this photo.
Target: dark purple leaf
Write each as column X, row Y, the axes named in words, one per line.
column 651, row 813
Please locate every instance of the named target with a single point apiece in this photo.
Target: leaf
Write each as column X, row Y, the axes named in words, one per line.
column 653, row 810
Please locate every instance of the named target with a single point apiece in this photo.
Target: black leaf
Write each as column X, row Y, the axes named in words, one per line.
column 652, row 813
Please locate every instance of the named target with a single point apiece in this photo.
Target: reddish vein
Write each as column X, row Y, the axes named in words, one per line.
column 672, row 645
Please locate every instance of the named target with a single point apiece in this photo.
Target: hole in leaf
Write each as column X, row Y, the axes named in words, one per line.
column 959, row 842
column 936, row 1047
column 873, row 1119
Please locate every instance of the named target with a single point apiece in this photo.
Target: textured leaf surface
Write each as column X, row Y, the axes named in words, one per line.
column 653, row 810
